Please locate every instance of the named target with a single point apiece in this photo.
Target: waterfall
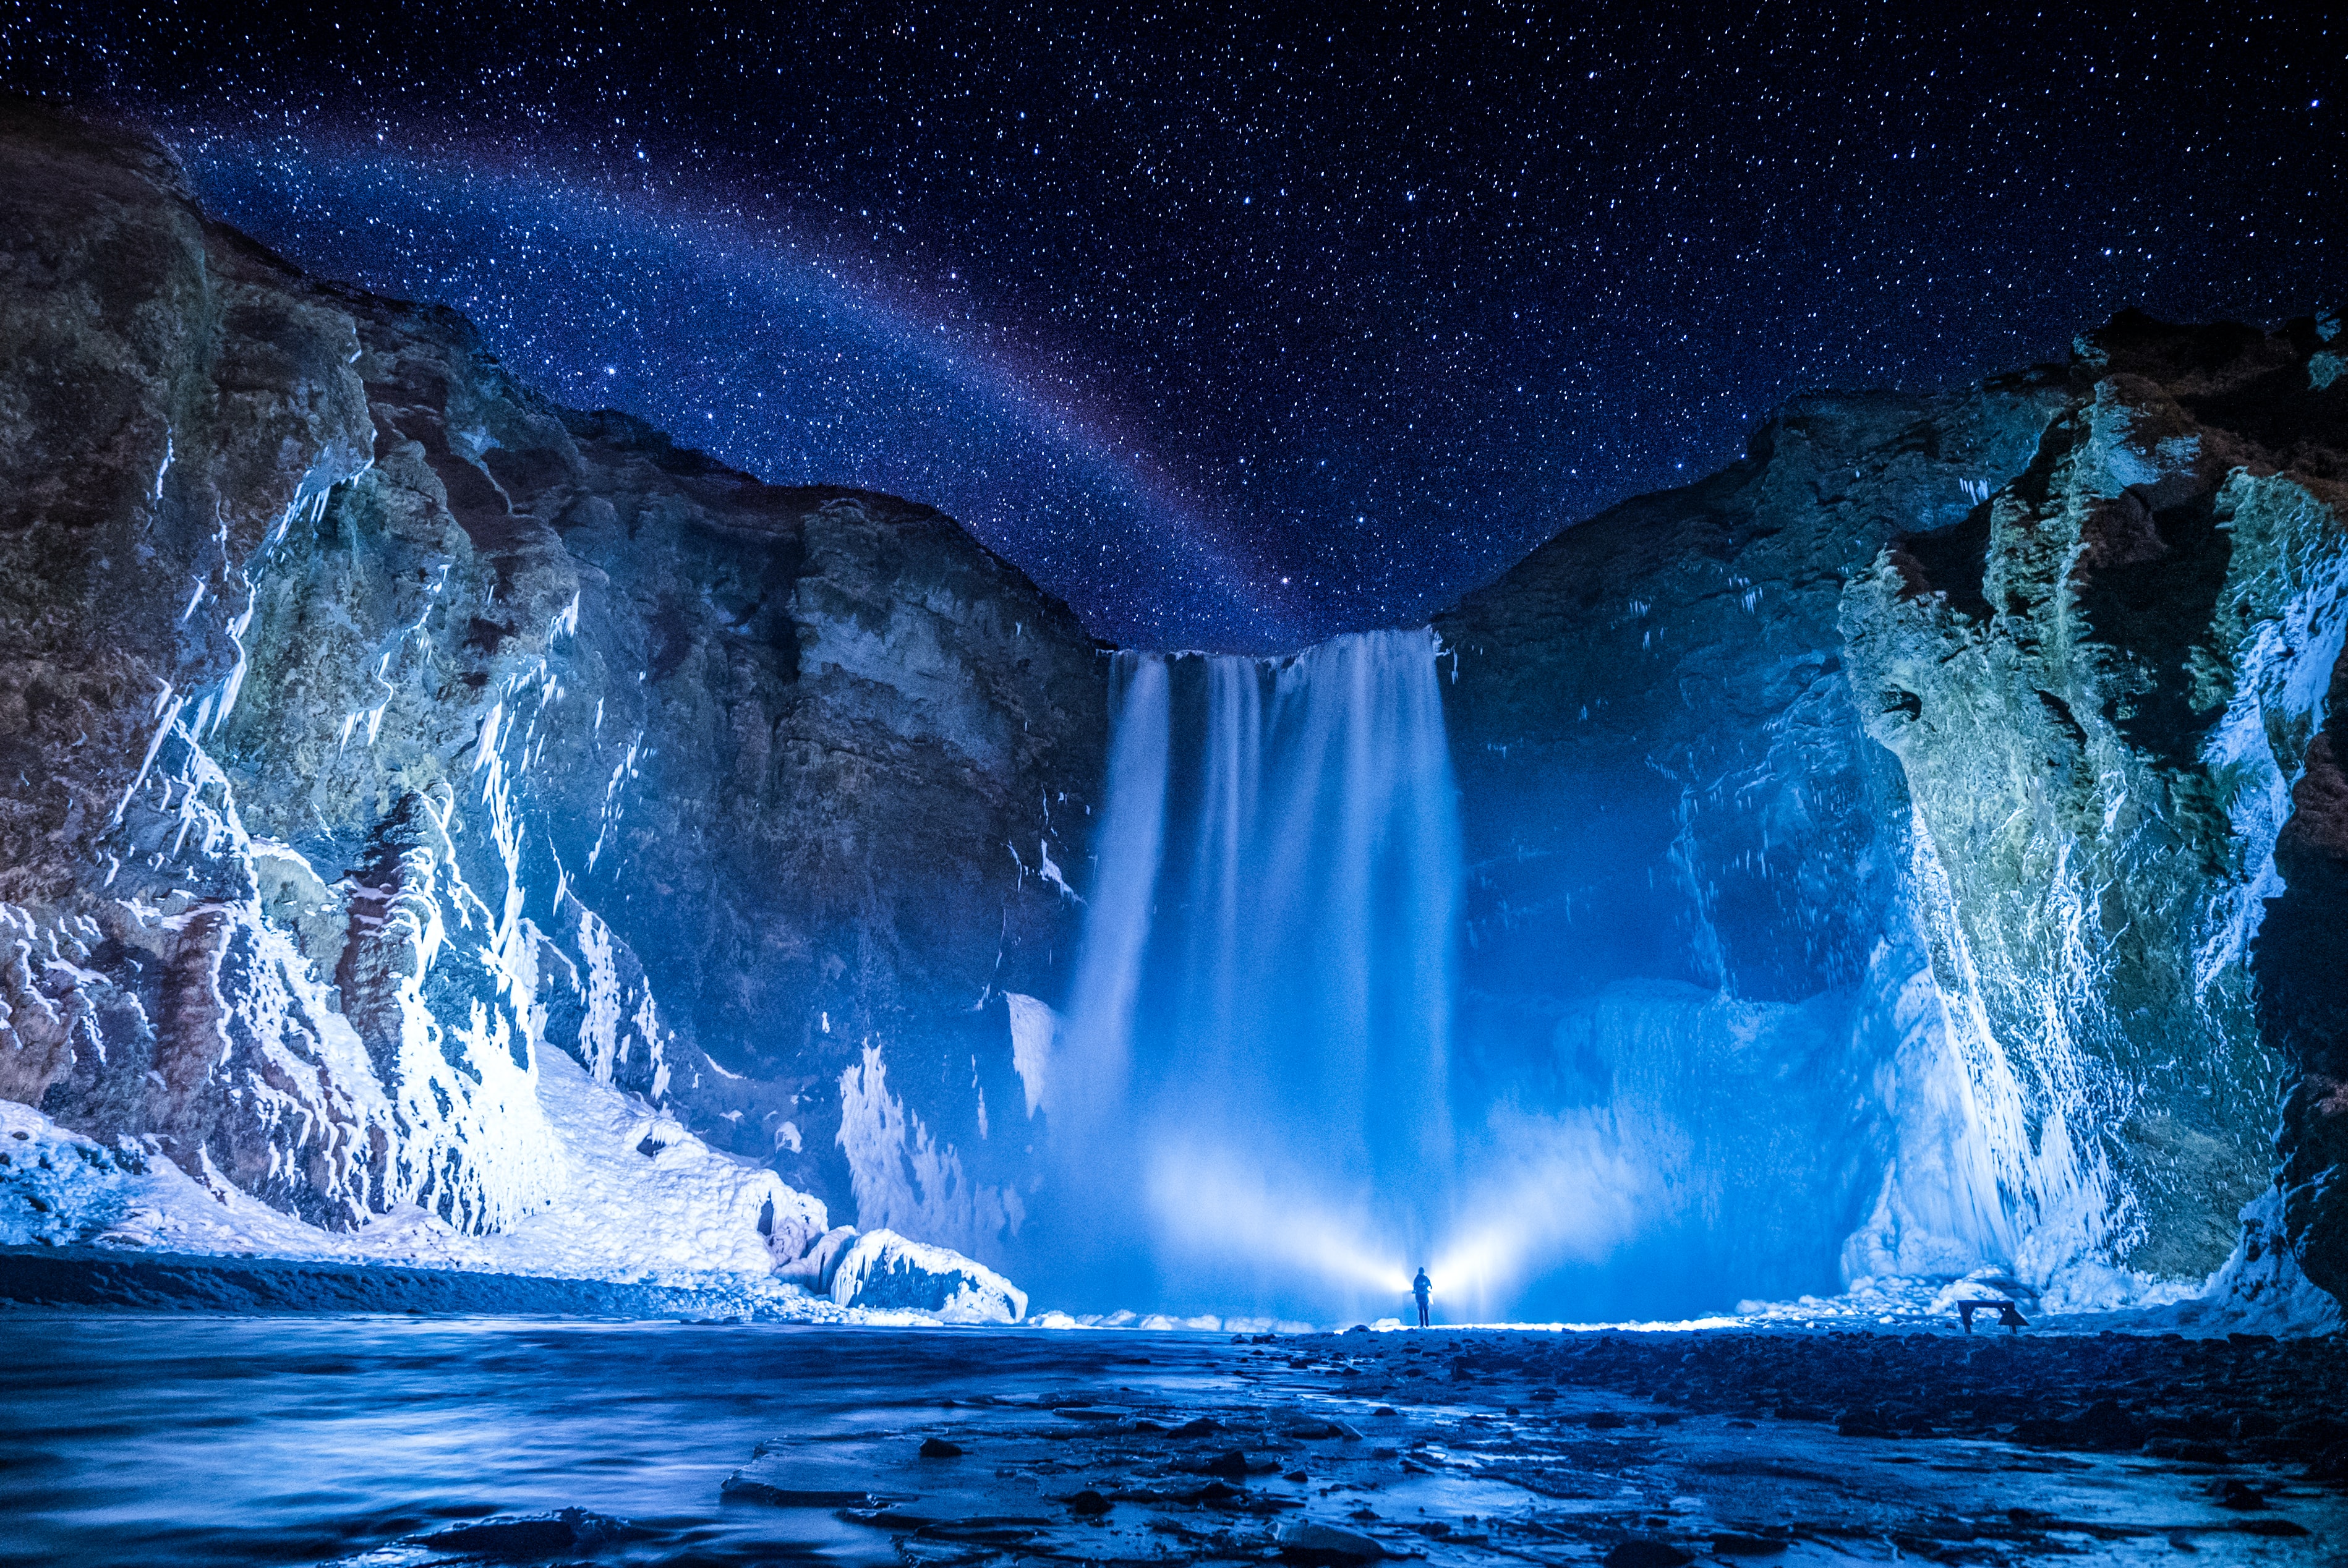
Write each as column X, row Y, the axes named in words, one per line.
column 1252, row 1101
column 1252, row 1080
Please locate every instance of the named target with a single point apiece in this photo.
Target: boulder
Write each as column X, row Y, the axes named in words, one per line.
column 1304, row 1541
column 884, row 1269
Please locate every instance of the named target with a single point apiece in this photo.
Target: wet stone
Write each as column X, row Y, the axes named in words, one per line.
column 529, row 1535
column 1326, row 1543
column 1647, row 1455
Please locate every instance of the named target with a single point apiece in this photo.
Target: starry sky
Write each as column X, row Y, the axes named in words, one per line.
column 1238, row 327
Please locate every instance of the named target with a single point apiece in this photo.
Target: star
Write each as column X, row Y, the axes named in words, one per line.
column 1154, row 303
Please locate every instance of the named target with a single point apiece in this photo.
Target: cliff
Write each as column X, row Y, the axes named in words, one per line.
column 371, row 726
column 1931, row 819
column 2107, row 689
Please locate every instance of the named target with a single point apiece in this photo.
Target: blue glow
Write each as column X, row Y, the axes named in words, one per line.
column 1260, row 1034
column 1262, row 1100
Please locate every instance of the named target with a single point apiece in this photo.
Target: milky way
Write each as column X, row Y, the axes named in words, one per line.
column 1238, row 330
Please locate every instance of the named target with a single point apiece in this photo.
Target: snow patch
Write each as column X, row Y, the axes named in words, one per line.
column 1034, row 1027
column 598, row 1208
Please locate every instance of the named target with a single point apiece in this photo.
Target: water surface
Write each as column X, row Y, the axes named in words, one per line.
column 198, row 1441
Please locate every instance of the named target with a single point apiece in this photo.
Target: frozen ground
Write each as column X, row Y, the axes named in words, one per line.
column 384, row 1440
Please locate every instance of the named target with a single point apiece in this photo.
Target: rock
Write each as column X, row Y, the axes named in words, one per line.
column 1747, row 1545
column 940, row 1449
column 1303, row 1541
column 815, row 1269
column 2107, row 1426
column 2314, row 1434
column 1637, row 1553
column 531, row 1534
column 1088, row 1505
column 742, row 1487
column 2187, row 1452
column 372, row 725
column 1956, row 749
column 2331, row 1465
column 882, row 1269
column 1232, row 1466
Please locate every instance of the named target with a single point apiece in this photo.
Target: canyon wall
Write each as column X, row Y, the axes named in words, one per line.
column 1949, row 779
column 1922, row 844
column 370, row 726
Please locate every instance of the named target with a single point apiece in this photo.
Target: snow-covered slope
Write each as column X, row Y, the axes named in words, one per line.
column 621, row 1191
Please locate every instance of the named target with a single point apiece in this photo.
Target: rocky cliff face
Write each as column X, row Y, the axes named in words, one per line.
column 1686, row 860
column 370, row 726
column 2104, row 687
column 1931, row 764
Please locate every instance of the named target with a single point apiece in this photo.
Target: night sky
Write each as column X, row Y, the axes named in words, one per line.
column 1239, row 328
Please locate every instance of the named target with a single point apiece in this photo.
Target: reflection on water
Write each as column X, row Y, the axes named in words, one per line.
column 145, row 1440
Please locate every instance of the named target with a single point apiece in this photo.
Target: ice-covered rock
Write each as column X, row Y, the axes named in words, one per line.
column 1307, row 1541
column 57, row 1188
column 2104, row 688
column 812, row 1269
column 1987, row 734
column 376, row 732
column 882, row 1269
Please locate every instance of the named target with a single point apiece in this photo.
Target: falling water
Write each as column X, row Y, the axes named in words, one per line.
column 1254, row 1103
column 1256, row 1050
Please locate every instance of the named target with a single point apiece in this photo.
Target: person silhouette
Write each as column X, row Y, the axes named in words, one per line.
column 1422, row 1288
